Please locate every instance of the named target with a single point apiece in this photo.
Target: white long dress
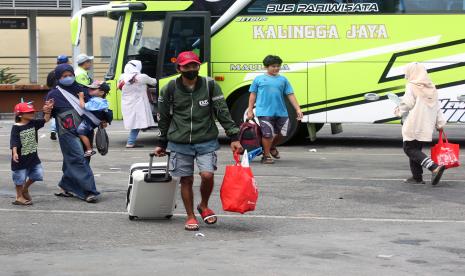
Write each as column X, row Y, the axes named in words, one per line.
column 135, row 104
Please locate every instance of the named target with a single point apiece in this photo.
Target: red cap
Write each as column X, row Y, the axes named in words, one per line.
column 24, row 108
column 188, row 57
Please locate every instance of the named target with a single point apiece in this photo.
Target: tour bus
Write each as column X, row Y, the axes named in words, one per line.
column 342, row 57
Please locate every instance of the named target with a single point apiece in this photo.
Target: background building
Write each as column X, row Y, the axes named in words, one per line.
column 47, row 35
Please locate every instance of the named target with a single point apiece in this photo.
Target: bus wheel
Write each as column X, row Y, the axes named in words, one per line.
column 239, row 113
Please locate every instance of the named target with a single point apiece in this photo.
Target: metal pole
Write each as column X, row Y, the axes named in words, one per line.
column 33, row 68
column 90, row 40
column 77, row 4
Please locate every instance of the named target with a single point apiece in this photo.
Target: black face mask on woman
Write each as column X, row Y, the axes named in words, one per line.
column 190, row 75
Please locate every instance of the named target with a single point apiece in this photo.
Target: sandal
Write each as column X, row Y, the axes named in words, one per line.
column 275, row 153
column 91, row 199
column 437, row 174
column 64, row 194
column 134, row 146
column 192, row 225
column 89, row 153
column 25, row 203
column 267, row 160
column 207, row 214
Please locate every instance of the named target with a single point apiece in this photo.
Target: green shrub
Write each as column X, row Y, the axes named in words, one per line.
column 7, row 78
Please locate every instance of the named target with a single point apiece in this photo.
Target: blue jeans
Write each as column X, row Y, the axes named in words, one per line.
column 35, row 173
column 53, row 125
column 133, row 136
column 78, row 177
column 85, row 128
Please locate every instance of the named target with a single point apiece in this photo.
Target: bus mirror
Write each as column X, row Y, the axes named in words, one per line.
column 76, row 23
column 136, row 36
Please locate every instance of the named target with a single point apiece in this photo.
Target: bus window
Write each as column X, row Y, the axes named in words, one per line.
column 216, row 8
column 144, row 41
column 185, row 34
column 114, row 52
column 437, row 6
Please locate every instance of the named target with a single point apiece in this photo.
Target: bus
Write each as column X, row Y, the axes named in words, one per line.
column 342, row 57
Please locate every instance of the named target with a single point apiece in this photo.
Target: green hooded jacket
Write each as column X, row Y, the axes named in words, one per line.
column 192, row 121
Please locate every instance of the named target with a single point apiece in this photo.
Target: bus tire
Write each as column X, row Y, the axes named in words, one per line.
column 239, row 109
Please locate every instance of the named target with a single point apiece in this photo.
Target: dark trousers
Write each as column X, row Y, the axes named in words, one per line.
column 418, row 160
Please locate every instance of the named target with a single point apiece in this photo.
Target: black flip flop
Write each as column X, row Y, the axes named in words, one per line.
column 63, row 194
column 27, row 203
column 436, row 177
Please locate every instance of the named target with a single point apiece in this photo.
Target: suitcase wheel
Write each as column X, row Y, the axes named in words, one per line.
column 132, row 217
column 169, row 216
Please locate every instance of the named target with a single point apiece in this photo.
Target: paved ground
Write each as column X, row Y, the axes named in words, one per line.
column 342, row 210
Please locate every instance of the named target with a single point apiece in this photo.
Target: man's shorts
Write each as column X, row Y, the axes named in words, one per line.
column 85, row 128
column 271, row 126
column 183, row 165
column 35, row 173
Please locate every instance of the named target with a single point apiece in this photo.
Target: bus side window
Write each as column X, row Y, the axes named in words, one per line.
column 186, row 34
column 437, row 6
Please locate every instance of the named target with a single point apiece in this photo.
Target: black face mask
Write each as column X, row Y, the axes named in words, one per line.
column 190, row 75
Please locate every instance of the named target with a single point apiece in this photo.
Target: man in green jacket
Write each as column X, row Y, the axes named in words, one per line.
column 188, row 107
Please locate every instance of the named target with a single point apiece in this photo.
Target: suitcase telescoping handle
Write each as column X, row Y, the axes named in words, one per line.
column 167, row 172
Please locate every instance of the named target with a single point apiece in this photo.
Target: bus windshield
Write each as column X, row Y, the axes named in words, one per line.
column 216, row 8
column 144, row 38
column 114, row 52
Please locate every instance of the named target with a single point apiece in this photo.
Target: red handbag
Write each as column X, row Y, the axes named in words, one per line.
column 445, row 154
column 238, row 192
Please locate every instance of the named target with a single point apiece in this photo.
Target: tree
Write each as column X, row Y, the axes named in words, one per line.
column 7, row 78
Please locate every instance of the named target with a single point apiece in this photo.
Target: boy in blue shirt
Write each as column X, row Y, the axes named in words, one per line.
column 98, row 105
column 267, row 93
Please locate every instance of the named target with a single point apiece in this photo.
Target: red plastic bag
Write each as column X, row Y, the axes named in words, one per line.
column 446, row 154
column 238, row 192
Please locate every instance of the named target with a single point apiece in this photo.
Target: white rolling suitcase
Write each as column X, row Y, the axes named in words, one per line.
column 151, row 191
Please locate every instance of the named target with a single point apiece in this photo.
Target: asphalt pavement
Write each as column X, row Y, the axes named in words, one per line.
column 337, row 206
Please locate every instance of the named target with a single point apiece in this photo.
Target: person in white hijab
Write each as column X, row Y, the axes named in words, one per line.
column 421, row 104
column 135, row 104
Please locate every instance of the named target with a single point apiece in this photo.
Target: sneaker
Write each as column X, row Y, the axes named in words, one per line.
column 53, row 136
column 437, row 174
column 412, row 180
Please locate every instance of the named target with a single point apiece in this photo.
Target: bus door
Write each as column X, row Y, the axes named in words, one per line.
column 183, row 31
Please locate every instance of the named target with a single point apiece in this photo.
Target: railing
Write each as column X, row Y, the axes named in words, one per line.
column 19, row 66
column 46, row 4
